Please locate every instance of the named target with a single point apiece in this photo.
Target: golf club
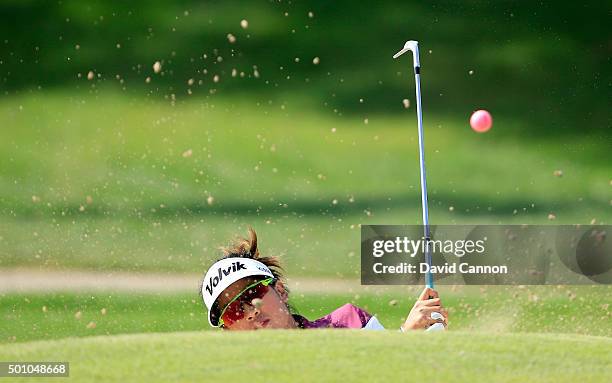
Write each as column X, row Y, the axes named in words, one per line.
column 413, row 46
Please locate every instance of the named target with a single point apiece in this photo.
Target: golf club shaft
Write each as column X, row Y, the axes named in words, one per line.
column 426, row 234
column 413, row 46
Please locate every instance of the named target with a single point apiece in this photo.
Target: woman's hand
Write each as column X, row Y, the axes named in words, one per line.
column 419, row 317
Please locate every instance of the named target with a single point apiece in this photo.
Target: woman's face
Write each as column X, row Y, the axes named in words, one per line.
column 269, row 312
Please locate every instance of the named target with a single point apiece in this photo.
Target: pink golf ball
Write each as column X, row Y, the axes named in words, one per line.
column 481, row 121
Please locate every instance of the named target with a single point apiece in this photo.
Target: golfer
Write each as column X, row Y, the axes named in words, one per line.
column 245, row 291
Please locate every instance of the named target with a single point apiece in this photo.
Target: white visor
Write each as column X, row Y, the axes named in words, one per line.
column 225, row 272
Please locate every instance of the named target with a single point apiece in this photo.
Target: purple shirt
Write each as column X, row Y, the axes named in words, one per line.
column 347, row 316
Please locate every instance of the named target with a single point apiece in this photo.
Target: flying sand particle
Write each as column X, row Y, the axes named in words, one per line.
column 244, row 24
column 257, row 302
column 157, row 67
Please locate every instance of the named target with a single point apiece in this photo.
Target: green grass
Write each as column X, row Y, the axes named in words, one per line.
column 303, row 187
column 579, row 310
column 127, row 155
column 553, row 77
column 327, row 355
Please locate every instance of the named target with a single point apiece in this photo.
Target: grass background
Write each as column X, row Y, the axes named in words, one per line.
column 93, row 173
column 323, row 355
column 99, row 181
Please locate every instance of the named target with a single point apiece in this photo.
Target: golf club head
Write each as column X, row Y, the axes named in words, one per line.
column 413, row 46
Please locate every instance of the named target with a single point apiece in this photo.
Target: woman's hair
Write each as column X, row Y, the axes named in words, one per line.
column 247, row 248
